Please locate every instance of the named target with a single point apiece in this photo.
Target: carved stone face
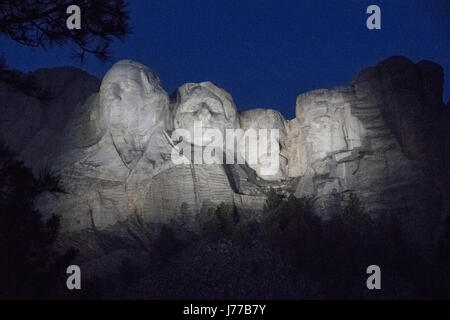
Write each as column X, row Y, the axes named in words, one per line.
column 326, row 134
column 268, row 119
column 327, row 123
column 132, row 98
column 205, row 103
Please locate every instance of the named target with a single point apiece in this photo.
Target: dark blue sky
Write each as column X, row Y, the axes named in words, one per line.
column 265, row 52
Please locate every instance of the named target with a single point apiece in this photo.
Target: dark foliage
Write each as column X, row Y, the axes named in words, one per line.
column 219, row 222
column 166, row 245
column 287, row 220
column 273, row 200
column 42, row 24
column 285, row 253
column 337, row 252
column 31, row 267
column 332, row 254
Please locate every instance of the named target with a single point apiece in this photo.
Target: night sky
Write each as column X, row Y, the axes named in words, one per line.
column 265, row 53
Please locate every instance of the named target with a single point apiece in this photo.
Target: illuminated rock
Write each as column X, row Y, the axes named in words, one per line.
column 383, row 137
column 205, row 103
column 266, row 119
column 135, row 104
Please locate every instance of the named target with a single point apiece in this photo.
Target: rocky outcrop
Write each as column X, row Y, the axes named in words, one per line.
column 378, row 138
column 34, row 128
column 383, row 137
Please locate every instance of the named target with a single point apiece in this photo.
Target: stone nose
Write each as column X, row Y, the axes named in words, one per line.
column 203, row 113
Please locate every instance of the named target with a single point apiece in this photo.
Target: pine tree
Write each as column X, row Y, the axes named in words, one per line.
column 42, row 24
column 31, row 267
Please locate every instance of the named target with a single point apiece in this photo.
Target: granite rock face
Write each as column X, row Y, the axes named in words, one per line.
column 383, row 137
column 133, row 105
column 378, row 138
column 205, row 103
column 266, row 119
column 34, row 128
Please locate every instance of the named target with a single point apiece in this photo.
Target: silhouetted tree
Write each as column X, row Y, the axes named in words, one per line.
column 31, row 267
column 291, row 226
column 353, row 211
column 42, row 24
column 166, row 245
column 220, row 222
column 273, row 200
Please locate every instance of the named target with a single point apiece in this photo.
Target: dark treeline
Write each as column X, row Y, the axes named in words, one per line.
column 287, row 253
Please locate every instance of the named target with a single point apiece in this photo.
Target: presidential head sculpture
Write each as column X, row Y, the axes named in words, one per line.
column 269, row 146
column 133, row 103
column 206, row 104
column 327, row 123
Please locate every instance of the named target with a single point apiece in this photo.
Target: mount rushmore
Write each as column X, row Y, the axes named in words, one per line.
column 384, row 137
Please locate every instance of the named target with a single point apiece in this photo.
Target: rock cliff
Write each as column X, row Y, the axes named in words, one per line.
column 384, row 137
